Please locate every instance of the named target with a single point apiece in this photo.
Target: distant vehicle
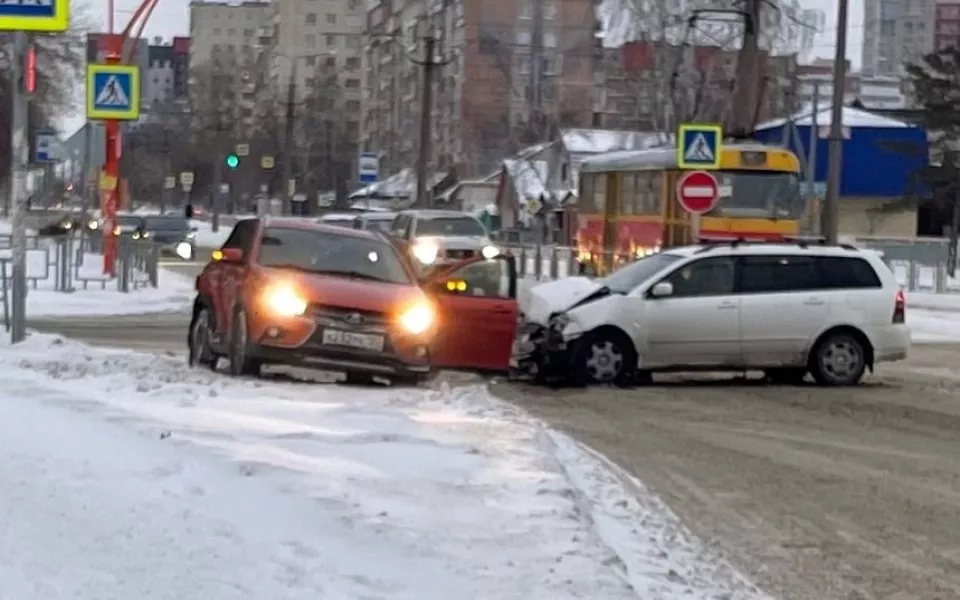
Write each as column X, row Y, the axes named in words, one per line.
column 434, row 238
column 337, row 219
column 785, row 309
column 172, row 232
column 374, row 221
column 294, row 292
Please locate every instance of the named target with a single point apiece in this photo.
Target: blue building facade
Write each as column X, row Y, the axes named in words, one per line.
column 882, row 157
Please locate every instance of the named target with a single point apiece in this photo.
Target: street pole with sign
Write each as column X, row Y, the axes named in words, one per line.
column 19, row 18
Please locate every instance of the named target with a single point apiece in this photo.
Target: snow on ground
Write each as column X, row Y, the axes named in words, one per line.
column 132, row 477
column 205, row 236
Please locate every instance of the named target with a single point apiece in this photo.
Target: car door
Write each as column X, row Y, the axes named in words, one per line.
column 232, row 275
column 477, row 315
column 698, row 325
column 784, row 305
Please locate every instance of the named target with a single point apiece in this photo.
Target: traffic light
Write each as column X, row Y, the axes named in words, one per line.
column 233, row 161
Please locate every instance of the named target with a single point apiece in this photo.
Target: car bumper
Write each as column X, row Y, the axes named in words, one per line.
column 539, row 352
column 314, row 354
column 891, row 344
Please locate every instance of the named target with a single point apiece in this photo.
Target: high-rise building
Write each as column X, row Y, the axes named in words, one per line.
column 166, row 77
column 946, row 25
column 224, row 32
column 895, row 32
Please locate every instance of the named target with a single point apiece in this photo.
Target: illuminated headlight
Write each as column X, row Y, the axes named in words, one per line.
column 417, row 319
column 285, row 302
column 426, row 252
column 145, row 234
column 490, row 252
column 184, row 250
column 117, row 230
column 136, row 235
column 67, row 225
column 93, row 225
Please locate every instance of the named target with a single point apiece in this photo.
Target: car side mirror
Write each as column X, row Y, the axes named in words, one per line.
column 228, row 255
column 662, row 290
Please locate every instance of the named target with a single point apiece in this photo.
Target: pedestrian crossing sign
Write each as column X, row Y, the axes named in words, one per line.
column 699, row 146
column 113, row 92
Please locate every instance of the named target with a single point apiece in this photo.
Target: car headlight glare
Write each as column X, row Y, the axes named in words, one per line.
column 93, row 224
column 426, row 252
column 490, row 252
column 417, row 320
column 284, row 301
column 184, row 250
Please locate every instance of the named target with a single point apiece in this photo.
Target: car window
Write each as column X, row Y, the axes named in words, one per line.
column 840, row 272
column 486, row 278
column 377, row 224
column 453, row 225
column 767, row 274
column 330, row 253
column 705, row 277
column 624, row 279
column 242, row 235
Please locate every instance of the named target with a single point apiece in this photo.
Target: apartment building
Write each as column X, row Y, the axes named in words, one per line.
column 225, row 32
column 167, row 75
column 317, row 44
column 873, row 91
column 511, row 72
column 895, row 32
column 946, row 24
column 651, row 86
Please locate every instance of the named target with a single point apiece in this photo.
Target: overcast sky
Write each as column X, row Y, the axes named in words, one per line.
column 172, row 17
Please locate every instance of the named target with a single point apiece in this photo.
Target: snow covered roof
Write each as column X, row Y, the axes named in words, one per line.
column 401, row 184
column 595, row 141
column 852, row 117
column 526, row 180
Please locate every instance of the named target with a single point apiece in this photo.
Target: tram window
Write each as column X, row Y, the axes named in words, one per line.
column 649, row 192
column 600, row 191
column 586, row 191
column 628, row 194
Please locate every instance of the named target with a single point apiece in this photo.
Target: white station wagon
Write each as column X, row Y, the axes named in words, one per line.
column 787, row 309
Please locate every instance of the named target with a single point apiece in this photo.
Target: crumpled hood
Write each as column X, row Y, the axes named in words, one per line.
column 545, row 299
column 457, row 242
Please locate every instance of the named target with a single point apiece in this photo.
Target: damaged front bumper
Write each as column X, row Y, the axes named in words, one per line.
column 540, row 352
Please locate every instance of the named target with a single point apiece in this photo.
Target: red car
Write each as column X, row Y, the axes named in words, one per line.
column 284, row 291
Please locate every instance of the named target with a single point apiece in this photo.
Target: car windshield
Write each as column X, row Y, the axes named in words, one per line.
column 447, row 226
column 378, row 223
column 623, row 280
column 166, row 224
column 759, row 194
column 331, row 254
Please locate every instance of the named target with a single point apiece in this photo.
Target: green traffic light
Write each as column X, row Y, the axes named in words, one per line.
column 233, row 161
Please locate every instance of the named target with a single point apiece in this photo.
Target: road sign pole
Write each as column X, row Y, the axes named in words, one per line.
column 112, row 169
column 17, row 188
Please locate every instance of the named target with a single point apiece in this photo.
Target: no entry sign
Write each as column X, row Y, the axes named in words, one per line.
column 698, row 192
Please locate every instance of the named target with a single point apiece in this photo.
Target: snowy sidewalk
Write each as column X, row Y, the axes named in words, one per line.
column 128, row 476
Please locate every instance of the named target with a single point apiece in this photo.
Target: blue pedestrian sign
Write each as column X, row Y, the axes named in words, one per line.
column 699, row 146
column 48, row 16
column 113, row 92
column 46, row 146
column 368, row 167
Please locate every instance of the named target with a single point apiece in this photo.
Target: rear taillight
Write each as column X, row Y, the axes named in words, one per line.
column 899, row 308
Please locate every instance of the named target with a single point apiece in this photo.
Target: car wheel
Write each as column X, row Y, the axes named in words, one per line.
column 785, row 376
column 606, row 357
column 838, row 360
column 200, row 353
column 241, row 363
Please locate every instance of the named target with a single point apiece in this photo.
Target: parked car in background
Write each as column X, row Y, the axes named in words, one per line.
column 374, row 221
column 173, row 233
column 337, row 219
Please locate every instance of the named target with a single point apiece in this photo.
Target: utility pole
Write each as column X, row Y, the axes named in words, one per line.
column 536, row 71
column 830, row 219
column 17, row 187
column 812, row 154
column 288, row 145
column 749, row 77
column 426, row 120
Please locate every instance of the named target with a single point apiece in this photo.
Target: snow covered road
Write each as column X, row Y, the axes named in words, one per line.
column 128, row 476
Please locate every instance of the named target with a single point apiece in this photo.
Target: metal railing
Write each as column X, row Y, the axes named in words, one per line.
column 920, row 264
column 69, row 263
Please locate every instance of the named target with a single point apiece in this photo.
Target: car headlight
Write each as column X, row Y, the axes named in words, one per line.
column 145, row 234
column 285, row 302
column 184, row 250
column 426, row 252
column 117, row 230
column 136, row 235
column 490, row 252
column 93, row 225
column 417, row 320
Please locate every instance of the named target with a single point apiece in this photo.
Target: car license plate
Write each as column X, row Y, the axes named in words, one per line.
column 354, row 340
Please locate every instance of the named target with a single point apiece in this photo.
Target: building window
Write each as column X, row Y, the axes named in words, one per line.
column 331, row 19
column 311, row 19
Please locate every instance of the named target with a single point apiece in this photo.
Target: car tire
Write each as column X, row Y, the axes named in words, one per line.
column 605, row 357
column 839, row 359
column 785, row 376
column 242, row 364
column 199, row 351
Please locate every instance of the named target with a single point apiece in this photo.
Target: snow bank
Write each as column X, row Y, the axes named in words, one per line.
column 133, row 477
